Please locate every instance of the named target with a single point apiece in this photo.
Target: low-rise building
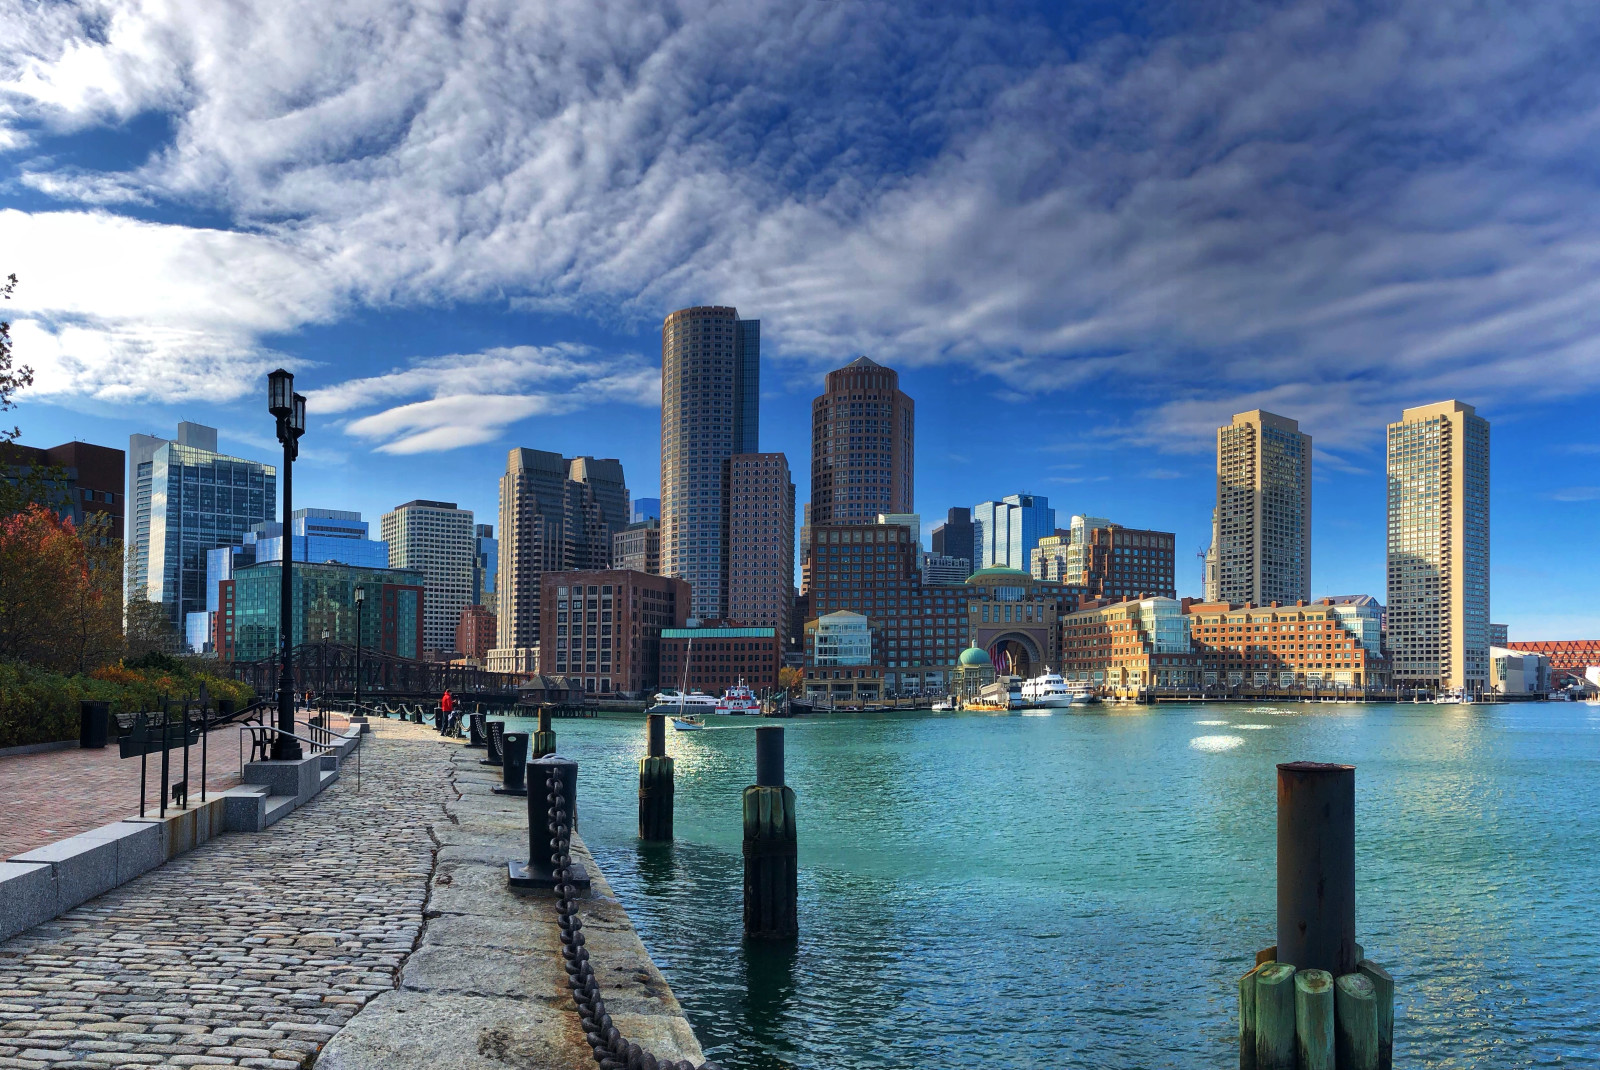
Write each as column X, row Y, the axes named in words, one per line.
column 1518, row 672
column 1131, row 644
column 1282, row 646
column 1363, row 615
column 843, row 663
column 604, row 628
column 713, row 658
column 323, row 605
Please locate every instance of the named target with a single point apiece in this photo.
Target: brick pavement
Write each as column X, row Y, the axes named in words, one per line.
column 251, row 950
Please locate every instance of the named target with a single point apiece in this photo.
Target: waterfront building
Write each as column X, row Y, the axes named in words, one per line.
column 973, row 673
column 1518, row 672
column 1363, row 615
column 475, row 632
column 603, row 627
column 713, row 658
column 485, row 565
column 844, row 663
column 710, row 410
column 1296, row 645
column 637, row 547
column 557, row 514
column 1005, row 532
column 186, row 499
column 1015, row 619
column 1261, row 529
column 760, row 581
column 1499, row 635
column 435, row 538
column 954, row 537
column 1438, row 547
column 941, row 570
column 89, row 479
column 1120, row 561
column 863, row 431
column 1572, row 661
column 645, row 509
column 323, row 603
column 1129, row 644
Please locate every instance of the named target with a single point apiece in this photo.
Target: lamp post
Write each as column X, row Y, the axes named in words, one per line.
column 361, row 597
column 290, row 410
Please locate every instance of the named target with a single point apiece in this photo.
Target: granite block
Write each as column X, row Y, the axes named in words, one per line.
column 27, row 896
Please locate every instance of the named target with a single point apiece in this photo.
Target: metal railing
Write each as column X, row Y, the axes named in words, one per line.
column 320, row 740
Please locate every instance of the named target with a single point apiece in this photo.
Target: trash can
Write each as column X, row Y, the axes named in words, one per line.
column 94, row 724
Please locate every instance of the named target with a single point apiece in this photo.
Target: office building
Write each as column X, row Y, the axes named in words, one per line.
column 1362, row 615
column 435, row 538
column 912, row 522
column 1438, row 582
column 941, row 570
column 863, row 430
column 760, row 581
column 710, row 396
column 604, row 628
column 1518, row 673
column 1005, row 532
column 637, row 547
column 645, row 509
column 1129, row 645
column 714, row 658
column 323, row 605
column 1049, row 558
column 557, row 514
column 1499, row 635
column 187, row 499
column 1568, row 657
column 475, row 632
column 485, row 564
column 1120, row 562
column 843, row 660
column 88, row 479
column 1261, row 531
column 1295, row 645
column 954, row 538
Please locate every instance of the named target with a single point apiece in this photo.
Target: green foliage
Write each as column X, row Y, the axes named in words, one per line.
column 38, row 706
column 155, row 659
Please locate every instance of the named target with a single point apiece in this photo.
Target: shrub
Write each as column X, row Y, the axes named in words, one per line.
column 38, row 706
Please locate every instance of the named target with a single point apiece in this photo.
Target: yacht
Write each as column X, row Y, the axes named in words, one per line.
column 738, row 701
column 678, row 702
column 1050, row 691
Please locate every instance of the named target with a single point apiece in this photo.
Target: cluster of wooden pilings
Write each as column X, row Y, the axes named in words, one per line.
column 1313, row 1001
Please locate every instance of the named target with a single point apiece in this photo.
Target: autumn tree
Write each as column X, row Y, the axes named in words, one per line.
column 788, row 678
column 60, row 591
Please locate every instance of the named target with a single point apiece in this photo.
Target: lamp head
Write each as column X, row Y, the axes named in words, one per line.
column 297, row 418
column 361, row 595
column 280, row 393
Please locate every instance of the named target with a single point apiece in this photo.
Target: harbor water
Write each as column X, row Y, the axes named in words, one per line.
column 1084, row 888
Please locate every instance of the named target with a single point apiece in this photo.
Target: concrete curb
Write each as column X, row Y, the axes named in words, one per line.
column 48, row 881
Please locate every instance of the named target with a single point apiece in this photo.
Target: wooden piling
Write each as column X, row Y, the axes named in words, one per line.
column 1247, row 1018
column 1275, row 1017
column 1383, row 996
column 1356, row 1023
column 771, row 876
column 656, row 785
column 1313, row 1019
column 544, row 740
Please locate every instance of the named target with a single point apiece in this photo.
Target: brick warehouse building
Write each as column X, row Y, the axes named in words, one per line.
column 604, row 628
column 1280, row 646
column 714, row 658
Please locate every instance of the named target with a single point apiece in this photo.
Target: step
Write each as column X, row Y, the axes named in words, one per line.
column 277, row 807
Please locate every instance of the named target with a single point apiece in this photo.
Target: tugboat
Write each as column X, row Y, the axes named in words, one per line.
column 739, row 701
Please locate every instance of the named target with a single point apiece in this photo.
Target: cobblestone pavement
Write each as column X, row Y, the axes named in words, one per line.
column 251, row 950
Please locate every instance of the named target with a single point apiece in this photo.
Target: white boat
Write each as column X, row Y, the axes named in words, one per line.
column 1452, row 698
column 943, row 706
column 689, row 722
column 739, row 701
column 1050, row 691
column 696, row 702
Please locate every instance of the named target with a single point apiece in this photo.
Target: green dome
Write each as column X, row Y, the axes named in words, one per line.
column 974, row 657
column 999, row 572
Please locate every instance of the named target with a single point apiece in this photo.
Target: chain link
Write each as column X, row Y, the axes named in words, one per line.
column 612, row 1051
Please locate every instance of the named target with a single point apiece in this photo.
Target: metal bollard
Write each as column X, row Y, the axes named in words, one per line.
column 438, row 719
column 656, row 788
column 537, row 872
column 514, row 746
column 771, row 875
column 1317, row 867
column 475, row 731
column 544, row 740
column 496, row 755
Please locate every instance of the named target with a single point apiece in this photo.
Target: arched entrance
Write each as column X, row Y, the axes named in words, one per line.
column 1016, row 654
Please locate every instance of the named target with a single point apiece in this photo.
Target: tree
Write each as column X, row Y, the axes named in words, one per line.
column 789, row 679
column 11, row 380
column 149, row 627
column 59, row 592
column 21, row 481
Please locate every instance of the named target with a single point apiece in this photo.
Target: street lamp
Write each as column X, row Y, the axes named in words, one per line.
column 361, row 598
column 290, row 410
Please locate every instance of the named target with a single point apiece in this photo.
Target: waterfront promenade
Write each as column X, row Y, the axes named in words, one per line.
column 257, row 949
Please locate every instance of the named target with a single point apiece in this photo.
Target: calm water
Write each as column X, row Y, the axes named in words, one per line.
column 1085, row 888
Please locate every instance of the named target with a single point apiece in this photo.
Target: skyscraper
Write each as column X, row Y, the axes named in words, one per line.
column 1438, row 584
column 1005, row 532
column 953, row 538
column 1261, row 531
column 760, row 540
column 710, row 396
column 485, row 563
column 186, row 499
column 645, row 509
column 556, row 514
column 863, row 430
column 434, row 538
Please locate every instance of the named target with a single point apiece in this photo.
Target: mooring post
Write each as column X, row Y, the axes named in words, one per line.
column 544, row 740
column 537, row 872
column 475, row 731
column 1317, row 867
column 1275, row 1017
column 1313, row 1019
column 497, row 729
column 514, row 748
column 656, row 785
column 771, row 877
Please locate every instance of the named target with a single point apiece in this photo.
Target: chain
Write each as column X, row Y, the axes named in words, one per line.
column 612, row 1051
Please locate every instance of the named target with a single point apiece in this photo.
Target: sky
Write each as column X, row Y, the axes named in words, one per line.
column 1085, row 235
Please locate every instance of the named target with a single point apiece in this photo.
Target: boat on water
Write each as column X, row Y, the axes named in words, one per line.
column 1049, row 691
column 689, row 722
column 697, row 702
column 1453, row 698
column 739, row 701
column 943, row 706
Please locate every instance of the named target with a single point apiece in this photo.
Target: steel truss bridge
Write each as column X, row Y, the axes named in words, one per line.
column 329, row 670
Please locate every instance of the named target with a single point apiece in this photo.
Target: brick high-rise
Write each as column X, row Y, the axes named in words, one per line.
column 863, row 430
column 760, row 541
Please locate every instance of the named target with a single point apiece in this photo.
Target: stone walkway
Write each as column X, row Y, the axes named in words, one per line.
column 251, row 950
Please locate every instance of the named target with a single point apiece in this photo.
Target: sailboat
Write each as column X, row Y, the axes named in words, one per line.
column 686, row 722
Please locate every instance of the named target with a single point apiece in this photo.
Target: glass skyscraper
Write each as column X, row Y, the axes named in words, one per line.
column 323, row 604
column 1005, row 532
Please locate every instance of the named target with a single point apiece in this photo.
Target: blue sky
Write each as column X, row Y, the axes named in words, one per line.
column 1084, row 237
